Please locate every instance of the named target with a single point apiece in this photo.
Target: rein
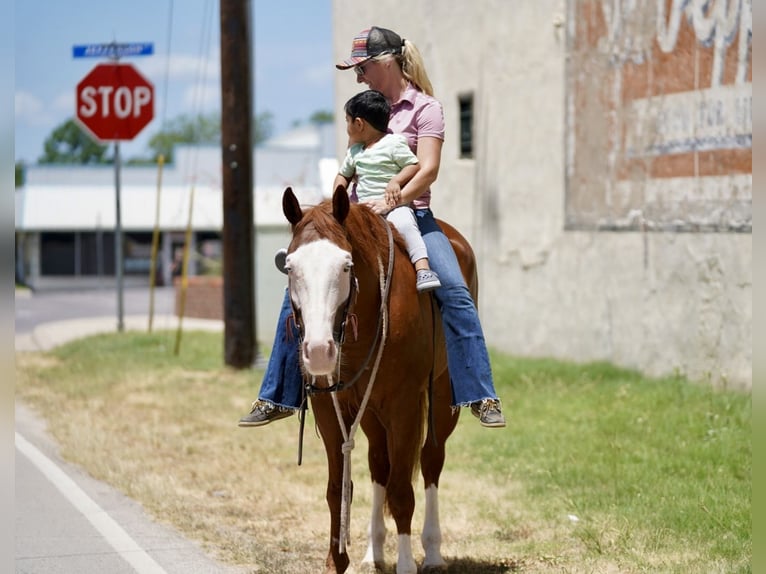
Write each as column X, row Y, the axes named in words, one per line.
column 344, row 536
column 381, row 329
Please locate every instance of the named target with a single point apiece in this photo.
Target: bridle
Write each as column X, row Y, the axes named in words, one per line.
column 339, row 329
column 344, row 318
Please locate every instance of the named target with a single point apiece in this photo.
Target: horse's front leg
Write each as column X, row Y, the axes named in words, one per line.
column 376, row 534
column 337, row 562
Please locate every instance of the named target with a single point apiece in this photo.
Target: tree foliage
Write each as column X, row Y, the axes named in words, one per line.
column 20, row 174
column 201, row 129
column 185, row 129
column 322, row 117
column 68, row 143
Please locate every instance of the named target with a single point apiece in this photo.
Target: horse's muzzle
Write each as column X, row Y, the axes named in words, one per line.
column 319, row 357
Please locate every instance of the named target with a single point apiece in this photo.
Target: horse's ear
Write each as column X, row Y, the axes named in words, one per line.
column 340, row 204
column 290, row 206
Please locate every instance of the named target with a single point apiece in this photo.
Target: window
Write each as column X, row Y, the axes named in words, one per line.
column 466, row 125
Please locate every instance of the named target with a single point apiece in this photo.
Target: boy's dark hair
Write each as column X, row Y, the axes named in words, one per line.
column 372, row 107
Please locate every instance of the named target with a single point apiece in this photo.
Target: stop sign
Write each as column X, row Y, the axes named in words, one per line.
column 115, row 102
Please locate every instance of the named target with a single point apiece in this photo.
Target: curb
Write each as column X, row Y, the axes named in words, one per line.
column 50, row 335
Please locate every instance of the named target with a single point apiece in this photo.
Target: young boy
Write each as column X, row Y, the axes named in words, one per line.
column 383, row 163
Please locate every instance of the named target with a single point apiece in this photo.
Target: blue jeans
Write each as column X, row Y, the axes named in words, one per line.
column 467, row 357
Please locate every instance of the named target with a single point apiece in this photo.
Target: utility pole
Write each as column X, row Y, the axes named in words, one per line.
column 240, row 345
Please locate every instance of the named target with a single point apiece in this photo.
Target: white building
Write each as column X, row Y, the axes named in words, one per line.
column 66, row 216
column 599, row 158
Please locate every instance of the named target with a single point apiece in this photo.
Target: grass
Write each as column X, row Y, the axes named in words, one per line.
column 600, row 469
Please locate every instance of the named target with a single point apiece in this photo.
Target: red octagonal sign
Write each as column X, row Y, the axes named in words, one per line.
column 115, row 102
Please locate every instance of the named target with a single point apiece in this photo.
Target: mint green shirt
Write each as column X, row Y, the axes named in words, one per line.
column 376, row 165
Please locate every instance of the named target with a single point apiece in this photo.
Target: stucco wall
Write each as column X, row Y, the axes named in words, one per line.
column 658, row 301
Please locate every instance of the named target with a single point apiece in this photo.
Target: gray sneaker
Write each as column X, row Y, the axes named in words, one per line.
column 263, row 412
column 488, row 412
column 427, row 280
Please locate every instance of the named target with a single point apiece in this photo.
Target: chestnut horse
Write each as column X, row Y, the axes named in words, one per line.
column 369, row 344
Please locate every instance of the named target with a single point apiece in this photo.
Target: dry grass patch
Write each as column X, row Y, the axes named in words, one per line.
column 163, row 430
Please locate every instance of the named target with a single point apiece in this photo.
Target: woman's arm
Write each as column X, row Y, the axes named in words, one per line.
column 394, row 188
column 429, row 158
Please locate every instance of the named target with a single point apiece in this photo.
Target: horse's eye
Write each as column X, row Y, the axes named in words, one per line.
column 348, row 267
column 288, row 268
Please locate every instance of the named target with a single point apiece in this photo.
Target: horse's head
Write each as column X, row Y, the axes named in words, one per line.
column 321, row 279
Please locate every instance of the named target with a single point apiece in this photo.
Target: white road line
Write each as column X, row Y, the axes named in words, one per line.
column 109, row 529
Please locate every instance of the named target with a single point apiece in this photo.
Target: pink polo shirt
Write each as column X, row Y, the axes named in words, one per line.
column 417, row 115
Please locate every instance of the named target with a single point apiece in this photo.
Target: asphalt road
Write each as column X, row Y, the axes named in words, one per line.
column 66, row 522
column 45, row 306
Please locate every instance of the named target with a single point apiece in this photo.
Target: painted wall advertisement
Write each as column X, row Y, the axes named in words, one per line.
column 659, row 115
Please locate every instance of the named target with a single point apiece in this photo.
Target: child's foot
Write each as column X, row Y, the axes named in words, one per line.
column 427, row 281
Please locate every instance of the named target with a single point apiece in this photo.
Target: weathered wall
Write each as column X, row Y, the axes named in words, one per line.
column 657, row 277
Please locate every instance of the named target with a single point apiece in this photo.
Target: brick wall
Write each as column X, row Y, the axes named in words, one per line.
column 204, row 297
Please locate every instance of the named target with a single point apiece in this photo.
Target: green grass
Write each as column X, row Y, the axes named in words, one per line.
column 657, row 472
column 644, row 464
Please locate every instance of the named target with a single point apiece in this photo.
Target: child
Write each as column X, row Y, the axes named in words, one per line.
column 383, row 163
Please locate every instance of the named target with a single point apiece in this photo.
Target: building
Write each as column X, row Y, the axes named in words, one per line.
column 599, row 158
column 66, row 216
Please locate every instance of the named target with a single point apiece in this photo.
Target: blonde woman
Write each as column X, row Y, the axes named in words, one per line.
column 386, row 62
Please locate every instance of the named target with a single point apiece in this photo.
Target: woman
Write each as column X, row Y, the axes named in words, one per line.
column 393, row 66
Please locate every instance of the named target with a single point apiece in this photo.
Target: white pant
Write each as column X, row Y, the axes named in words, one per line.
column 403, row 219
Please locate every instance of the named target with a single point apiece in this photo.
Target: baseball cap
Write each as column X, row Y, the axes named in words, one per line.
column 372, row 42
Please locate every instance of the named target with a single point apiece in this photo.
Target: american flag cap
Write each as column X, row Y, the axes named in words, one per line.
column 372, row 42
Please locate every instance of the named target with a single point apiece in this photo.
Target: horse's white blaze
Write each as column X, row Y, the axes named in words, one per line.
column 406, row 562
column 431, row 537
column 319, row 284
column 377, row 529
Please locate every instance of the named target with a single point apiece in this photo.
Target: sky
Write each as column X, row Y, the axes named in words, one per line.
column 293, row 63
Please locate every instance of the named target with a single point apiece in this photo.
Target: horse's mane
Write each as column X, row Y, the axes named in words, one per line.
column 362, row 232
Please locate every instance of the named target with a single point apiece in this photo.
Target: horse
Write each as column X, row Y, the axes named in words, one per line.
column 374, row 351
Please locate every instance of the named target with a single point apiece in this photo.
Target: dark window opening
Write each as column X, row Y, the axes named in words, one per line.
column 466, row 125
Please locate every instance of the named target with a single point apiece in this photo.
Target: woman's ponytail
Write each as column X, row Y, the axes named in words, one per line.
column 413, row 68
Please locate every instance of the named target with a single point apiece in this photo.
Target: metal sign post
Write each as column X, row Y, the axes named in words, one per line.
column 124, row 94
column 118, row 239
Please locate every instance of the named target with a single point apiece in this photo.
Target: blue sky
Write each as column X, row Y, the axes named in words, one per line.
column 293, row 61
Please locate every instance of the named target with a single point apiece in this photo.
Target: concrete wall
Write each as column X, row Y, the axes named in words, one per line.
column 659, row 301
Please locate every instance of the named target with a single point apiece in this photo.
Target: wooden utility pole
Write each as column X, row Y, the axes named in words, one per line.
column 240, row 345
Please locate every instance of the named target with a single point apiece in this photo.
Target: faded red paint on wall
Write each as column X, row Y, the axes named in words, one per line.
column 659, row 115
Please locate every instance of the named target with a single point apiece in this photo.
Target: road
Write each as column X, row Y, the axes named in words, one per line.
column 47, row 306
column 66, row 522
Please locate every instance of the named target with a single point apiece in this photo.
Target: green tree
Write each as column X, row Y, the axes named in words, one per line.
column 201, row 129
column 322, row 117
column 20, row 173
column 185, row 129
column 69, row 143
